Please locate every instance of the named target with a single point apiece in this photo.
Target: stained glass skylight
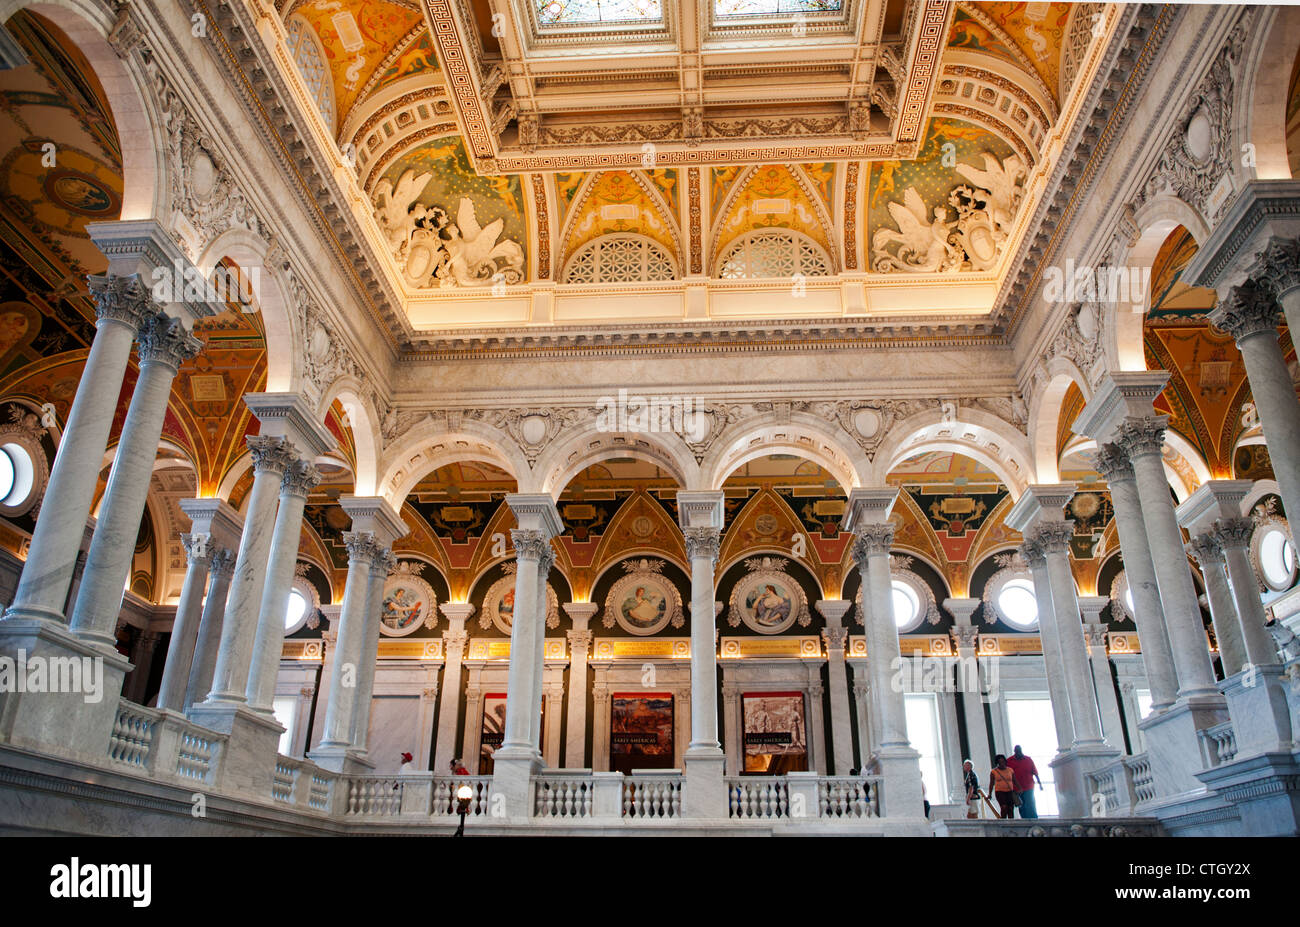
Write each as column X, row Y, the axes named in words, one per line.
column 576, row 12
column 774, row 7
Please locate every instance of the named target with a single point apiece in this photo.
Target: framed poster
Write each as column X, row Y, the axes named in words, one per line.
column 494, row 730
column 768, row 601
column 640, row 731
column 776, row 735
column 408, row 603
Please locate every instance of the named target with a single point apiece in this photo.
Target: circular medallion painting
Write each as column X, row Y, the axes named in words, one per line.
column 768, row 602
column 499, row 606
column 643, row 604
column 408, row 602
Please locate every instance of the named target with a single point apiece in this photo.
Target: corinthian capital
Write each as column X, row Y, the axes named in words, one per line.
column 530, row 544
column 383, row 563
column 1095, row 634
column 1145, row 435
column 835, row 637
column 1053, row 537
column 1247, row 310
column 1233, row 533
column 1277, row 268
column 271, row 454
column 164, row 340
column 198, row 548
column 872, row 539
column 1113, row 464
column 120, row 299
column 1206, row 549
column 965, row 636
column 703, row 542
column 1032, row 553
column 300, row 478
column 361, row 547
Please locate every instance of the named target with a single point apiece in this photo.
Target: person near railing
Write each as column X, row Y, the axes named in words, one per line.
column 973, row 794
column 1002, row 783
column 1026, row 773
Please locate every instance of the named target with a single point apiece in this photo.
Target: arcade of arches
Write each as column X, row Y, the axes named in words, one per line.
column 774, row 410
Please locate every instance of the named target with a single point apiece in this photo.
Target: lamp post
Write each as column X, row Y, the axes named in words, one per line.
column 463, row 796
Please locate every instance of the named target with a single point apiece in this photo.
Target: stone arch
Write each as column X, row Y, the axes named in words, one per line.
column 1124, row 319
column 1045, row 416
column 978, row 435
column 364, row 424
column 1196, row 473
column 565, row 459
column 127, row 87
column 427, row 447
column 800, row 433
column 1260, row 113
column 269, row 290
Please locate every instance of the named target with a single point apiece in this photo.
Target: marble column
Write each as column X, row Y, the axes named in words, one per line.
column 553, row 693
column 1095, row 634
column 867, row 516
column 185, row 627
column 384, row 563
column 1142, row 439
column 1054, row 539
column 208, row 639
column 341, row 708
column 1148, row 614
column 580, row 637
column 1249, row 313
column 532, row 547
column 1032, row 553
column 164, row 346
column 121, row 304
column 299, row 479
column 454, row 640
column 271, row 457
column 146, row 645
column 1233, row 537
column 965, row 636
column 835, row 636
column 1227, row 629
column 732, row 725
column 544, row 565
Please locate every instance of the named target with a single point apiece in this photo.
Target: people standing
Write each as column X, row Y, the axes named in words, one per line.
column 1002, row 783
column 1026, row 773
column 972, row 783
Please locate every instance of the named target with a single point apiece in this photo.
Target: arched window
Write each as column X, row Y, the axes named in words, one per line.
column 774, row 253
column 301, row 607
column 620, row 259
column 1010, row 597
column 305, row 49
column 23, row 472
column 1274, row 556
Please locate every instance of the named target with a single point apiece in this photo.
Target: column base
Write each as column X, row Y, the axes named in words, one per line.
column 1265, row 791
column 1070, row 769
column 1172, row 746
column 901, row 795
column 248, row 761
column 343, row 759
column 512, row 771
column 704, row 788
column 1260, row 712
column 76, row 720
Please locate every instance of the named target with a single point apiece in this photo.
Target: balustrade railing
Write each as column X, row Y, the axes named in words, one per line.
column 1139, row 768
column 374, row 796
column 1218, row 744
column 133, row 734
column 849, row 796
column 762, row 798
column 565, row 796
column 444, row 794
column 653, row 797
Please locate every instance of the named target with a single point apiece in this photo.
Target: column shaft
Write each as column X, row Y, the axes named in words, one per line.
column 199, row 680
column 1056, row 690
column 341, row 707
column 1233, row 535
column 1223, row 611
column 185, row 627
column 838, row 677
column 1055, row 539
column 453, row 653
column 702, row 547
column 525, row 662
column 368, row 663
column 575, row 741
column 883, row 653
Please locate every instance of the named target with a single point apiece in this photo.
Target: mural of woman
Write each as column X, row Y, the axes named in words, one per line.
column 402, row 609
column 771, row 608
column 642, row 608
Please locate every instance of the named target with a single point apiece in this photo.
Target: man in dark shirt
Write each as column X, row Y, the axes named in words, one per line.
column 1026, row 773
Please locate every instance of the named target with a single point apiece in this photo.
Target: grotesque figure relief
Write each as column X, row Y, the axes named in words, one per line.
column 432, row 250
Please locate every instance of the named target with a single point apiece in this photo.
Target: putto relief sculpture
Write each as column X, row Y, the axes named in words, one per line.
column 432, row 250
column 931, row 241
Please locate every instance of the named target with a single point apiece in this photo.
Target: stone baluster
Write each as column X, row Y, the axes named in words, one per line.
column 164, row 346
column 299, row 479
column 1148, row 614
column 185, row 628
column 121, row 304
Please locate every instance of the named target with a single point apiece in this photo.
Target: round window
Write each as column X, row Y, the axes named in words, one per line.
column 17, row 475
column 297, row 608
column 1277, row 559
column 1018, row 604
column 907, row 606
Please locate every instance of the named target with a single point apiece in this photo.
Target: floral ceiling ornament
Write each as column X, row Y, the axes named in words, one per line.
column 432, row 250
column 928, row 241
